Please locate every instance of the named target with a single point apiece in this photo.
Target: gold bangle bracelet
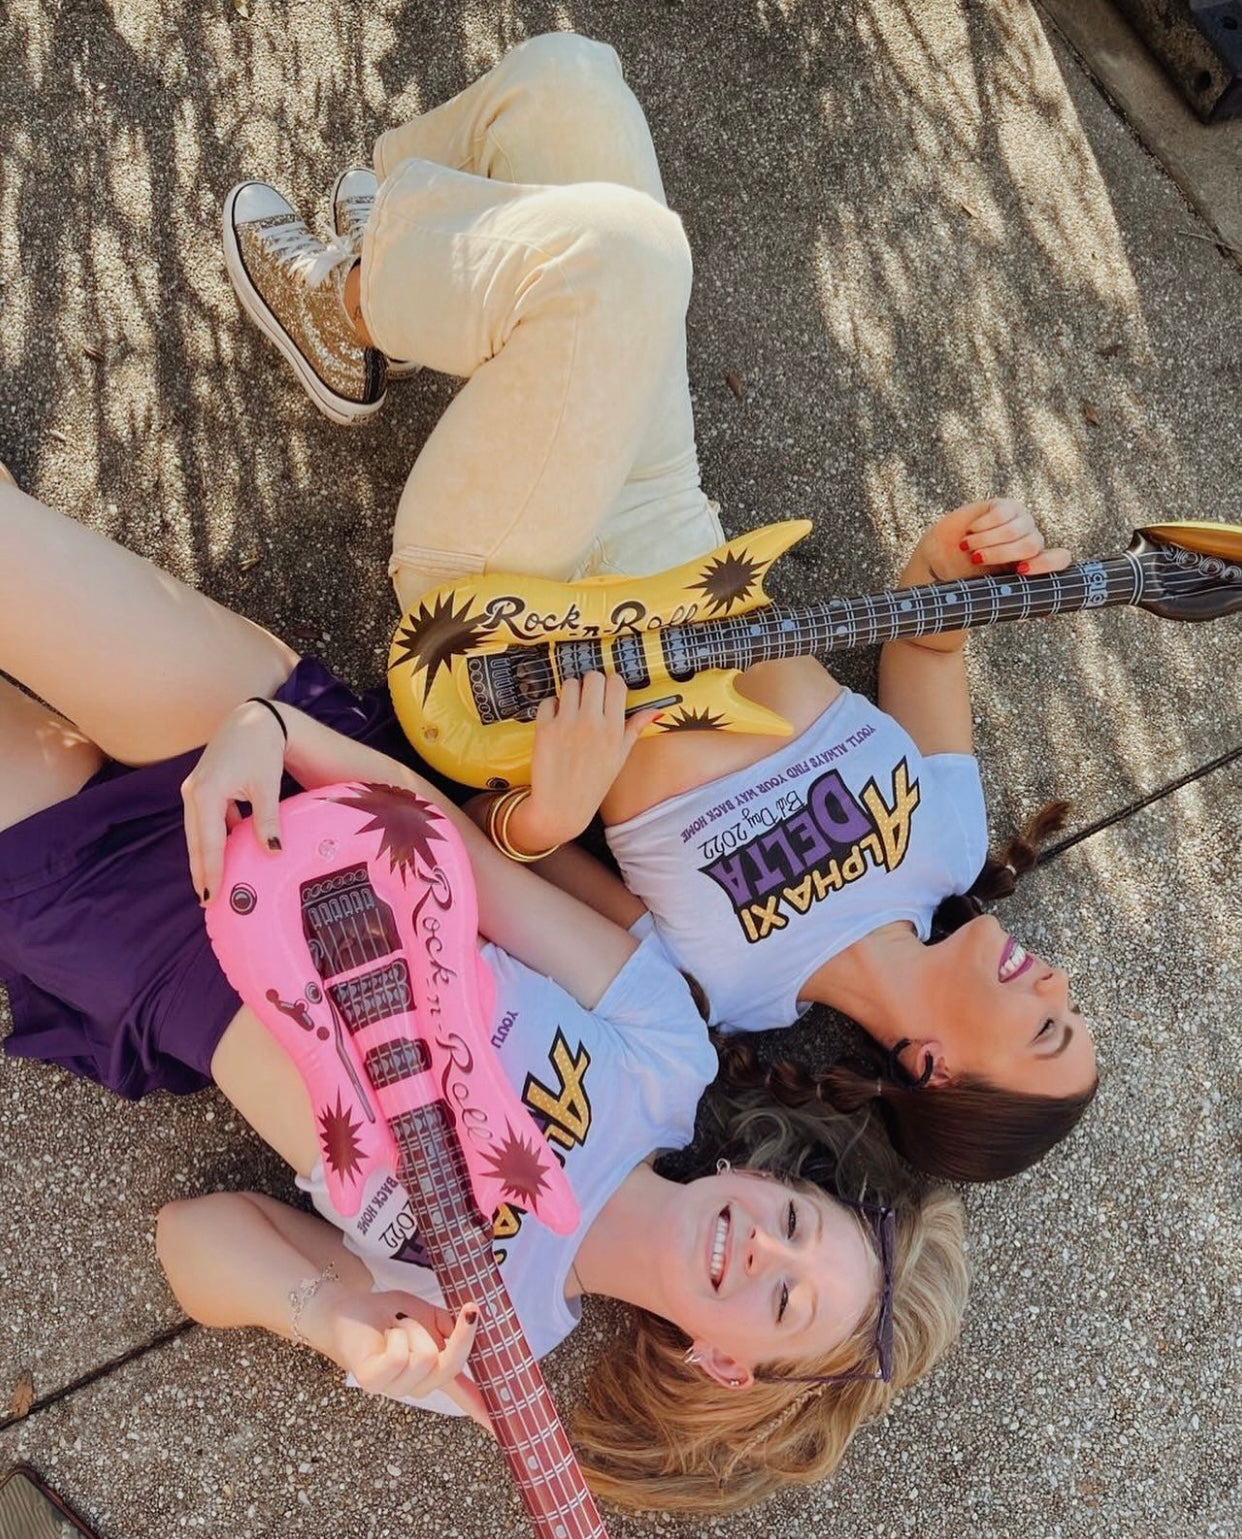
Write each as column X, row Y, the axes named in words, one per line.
column 500, row 805
column 499, row 815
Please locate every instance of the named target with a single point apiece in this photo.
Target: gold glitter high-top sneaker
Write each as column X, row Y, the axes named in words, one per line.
column 290, row 285
column 353, row 198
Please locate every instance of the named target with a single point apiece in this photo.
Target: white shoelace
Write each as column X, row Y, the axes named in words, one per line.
column 305, row 257
column 357, row 211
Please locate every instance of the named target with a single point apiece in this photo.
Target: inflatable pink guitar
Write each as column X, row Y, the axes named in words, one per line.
column 357, row 948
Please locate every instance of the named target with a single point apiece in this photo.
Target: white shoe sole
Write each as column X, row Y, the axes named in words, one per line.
column 337, row 408
column 398, row 368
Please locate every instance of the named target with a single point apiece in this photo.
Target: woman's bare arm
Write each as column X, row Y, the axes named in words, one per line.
column 546, row 929
column 923, row 683
column 575, row 871
column 241, row 1259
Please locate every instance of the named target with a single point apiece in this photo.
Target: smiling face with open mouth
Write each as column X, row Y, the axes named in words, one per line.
column 1007, row 1015
column 765, row 1272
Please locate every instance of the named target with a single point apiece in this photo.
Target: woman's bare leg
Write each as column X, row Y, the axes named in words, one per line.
column 43, row 757
column 145, row 667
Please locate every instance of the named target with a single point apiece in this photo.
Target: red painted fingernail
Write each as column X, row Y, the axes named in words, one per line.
column 977, row 557
column 471, row 1313
column 965, row 545
column 1024, row 567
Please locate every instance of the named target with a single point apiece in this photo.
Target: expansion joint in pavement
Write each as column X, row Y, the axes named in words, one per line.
column 95, row 1374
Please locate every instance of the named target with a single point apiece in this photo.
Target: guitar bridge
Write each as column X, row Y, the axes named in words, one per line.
column 508, row 686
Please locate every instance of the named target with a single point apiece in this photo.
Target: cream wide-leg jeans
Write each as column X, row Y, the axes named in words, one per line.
column 521, row 240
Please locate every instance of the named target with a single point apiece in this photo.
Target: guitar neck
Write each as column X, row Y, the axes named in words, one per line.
column 459, row 1242
column 837, row 624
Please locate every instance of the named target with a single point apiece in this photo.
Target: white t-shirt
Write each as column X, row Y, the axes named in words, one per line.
column 607, row 1086
column 757, row 879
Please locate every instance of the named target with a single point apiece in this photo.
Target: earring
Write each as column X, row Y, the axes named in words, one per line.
column 691, row 1356
column 722, row 1166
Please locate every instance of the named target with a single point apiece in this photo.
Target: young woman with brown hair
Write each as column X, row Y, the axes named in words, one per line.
column 518, row 236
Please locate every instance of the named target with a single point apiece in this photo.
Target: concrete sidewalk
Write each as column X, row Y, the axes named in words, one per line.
column 941, row 268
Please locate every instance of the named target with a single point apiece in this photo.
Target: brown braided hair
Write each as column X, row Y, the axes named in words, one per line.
column 967, row 1131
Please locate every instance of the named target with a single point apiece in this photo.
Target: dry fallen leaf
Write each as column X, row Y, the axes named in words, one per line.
column 248, row 563
column 1090, row 413
column 734, row 382
column 23, row 1395
column 95, row 354
column 971, row 213
column 242, row 7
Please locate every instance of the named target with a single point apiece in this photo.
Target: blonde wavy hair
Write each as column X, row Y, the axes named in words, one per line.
column 656, row 1433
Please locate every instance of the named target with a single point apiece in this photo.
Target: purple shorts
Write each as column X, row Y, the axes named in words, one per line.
column 102, row 943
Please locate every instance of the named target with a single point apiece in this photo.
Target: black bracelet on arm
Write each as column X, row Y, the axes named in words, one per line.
column 268, row 705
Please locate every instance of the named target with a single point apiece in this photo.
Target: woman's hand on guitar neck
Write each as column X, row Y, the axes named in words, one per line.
column 973, row 541
column 923, row 678
column 399, row 1345
column 581, row 742
column 982, row 536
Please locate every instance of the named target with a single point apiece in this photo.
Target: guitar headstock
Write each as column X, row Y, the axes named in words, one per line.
column 357, row 946
column 1191, row 570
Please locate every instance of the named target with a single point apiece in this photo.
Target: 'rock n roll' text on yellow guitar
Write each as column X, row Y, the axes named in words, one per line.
column 471, row 661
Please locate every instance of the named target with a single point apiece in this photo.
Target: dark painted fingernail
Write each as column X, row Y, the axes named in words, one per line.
column 977, row 557
column 470, row 1313
column 401, row 1315
column 274, row 843
column 206, row 895
column 1024, row 567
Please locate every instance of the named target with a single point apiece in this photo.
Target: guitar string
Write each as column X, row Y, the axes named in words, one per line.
column 551, row 1432
column 445, row 1182
column 550, row 1437
column 504, row 1346
column 706, row 641
column 575, row 1500
column 769, row 632
column 913, row 607
column 919, row 604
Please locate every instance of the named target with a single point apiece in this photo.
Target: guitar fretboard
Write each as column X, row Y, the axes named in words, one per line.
column 459, row 1242
column 839, row 624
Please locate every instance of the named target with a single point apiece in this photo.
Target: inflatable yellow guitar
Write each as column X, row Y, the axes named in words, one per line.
column 471, row 662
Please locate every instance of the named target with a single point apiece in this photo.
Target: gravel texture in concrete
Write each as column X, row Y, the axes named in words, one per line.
column 939, row 267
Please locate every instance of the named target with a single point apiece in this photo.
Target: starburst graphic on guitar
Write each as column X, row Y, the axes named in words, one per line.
column 407, row 825
column 728, row 579
column 520, row 1165
column 431, row 638
column 688, row 719
column 338, row 1137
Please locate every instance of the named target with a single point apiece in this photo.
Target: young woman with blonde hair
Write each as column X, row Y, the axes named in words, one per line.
column 748, row 1282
